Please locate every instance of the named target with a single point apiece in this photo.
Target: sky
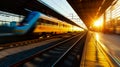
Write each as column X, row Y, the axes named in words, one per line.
column 63, row 7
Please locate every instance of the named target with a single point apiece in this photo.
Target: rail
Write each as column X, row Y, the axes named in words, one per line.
column 27, row 42
column 62, row 47
column 59, row 60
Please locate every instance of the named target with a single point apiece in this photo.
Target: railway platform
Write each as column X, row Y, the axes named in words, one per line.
column 96, row 53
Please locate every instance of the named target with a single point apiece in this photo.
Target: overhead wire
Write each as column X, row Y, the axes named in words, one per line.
column 63, row 3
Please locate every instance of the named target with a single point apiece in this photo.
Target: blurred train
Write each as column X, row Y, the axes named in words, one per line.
column 37, row 24
column 40, row 23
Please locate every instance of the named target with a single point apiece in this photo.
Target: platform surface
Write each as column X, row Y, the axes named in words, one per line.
column 101, row 50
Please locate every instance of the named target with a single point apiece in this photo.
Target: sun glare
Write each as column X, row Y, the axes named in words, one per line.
column 98, row 22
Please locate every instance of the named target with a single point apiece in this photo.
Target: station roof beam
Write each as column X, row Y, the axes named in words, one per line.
column 88, row 10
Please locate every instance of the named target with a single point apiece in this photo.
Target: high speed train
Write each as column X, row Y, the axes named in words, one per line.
column 35, row 25
column 41, row 23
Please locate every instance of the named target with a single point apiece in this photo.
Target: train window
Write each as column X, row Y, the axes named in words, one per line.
column 40, row 21
column 64, row 25
column 46, row 22
column 55, row 23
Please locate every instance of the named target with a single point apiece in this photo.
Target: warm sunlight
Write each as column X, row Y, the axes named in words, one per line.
column 97, row 37
column 98, row 22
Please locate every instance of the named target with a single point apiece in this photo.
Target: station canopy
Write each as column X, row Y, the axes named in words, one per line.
column 20, row 6
column 88, row 10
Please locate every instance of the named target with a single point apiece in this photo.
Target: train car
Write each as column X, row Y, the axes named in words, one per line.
column 53, row 25
column 43, row 24
column 36, row 24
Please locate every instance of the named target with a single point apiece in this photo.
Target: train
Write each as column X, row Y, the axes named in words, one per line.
column 40, row 23
column 37, row 24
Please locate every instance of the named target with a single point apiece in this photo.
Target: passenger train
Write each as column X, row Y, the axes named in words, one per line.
column 41, row 23
column 37, row 24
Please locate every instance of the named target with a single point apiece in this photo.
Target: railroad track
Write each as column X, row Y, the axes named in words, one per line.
column 22, row 43
column 26, row 42
column 57, row 55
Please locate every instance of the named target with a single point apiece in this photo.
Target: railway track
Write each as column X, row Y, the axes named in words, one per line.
column 26, row 42
column 64, row 53
column 22, row 43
